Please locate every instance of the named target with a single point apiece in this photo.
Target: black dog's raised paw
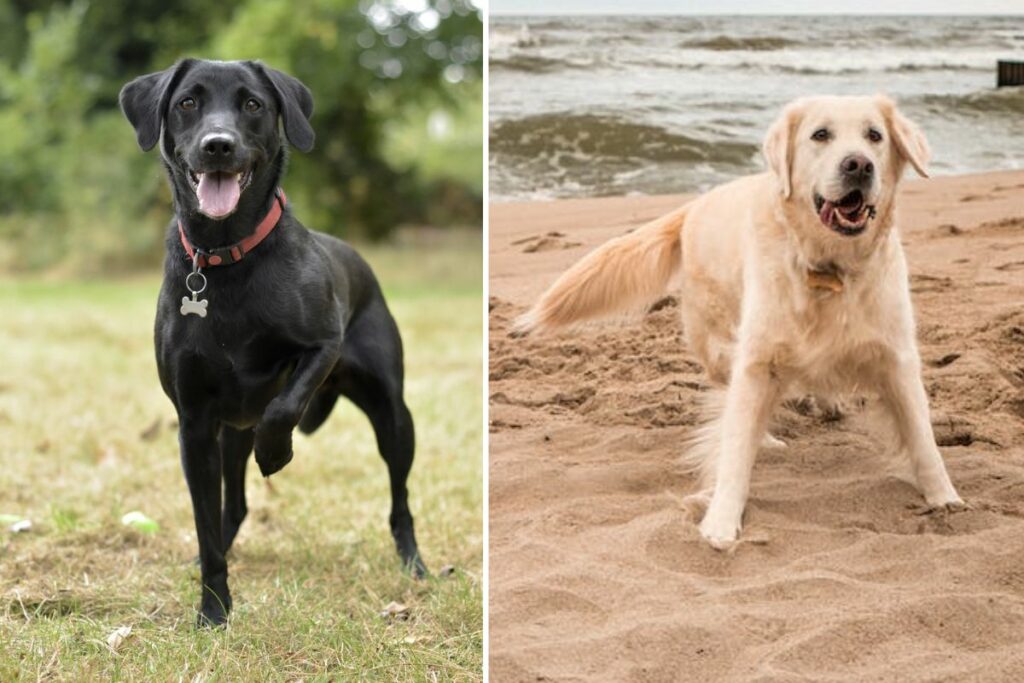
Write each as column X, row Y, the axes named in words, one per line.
column 273, row 450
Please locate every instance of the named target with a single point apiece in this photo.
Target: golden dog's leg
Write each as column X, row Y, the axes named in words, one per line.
column 751, row 396
column 903, row 393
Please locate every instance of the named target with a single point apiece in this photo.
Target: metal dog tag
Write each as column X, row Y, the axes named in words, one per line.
column 194, row 305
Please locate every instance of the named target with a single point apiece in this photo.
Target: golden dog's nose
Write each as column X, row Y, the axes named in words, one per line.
column 857, row 166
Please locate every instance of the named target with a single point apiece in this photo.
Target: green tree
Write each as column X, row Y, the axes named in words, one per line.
column 366, row 63
column 74, row 188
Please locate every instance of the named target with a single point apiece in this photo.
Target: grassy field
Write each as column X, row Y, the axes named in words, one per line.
column 86, row 435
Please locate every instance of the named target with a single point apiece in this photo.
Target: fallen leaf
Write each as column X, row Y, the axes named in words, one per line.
column 118, row 636
column 396, row 610
column 446, row 571
column 22, row 525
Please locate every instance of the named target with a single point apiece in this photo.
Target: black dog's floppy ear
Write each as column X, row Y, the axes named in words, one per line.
column 296, row 104
column 144, row 102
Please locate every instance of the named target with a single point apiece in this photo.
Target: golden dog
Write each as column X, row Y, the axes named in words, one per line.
column 792, row 280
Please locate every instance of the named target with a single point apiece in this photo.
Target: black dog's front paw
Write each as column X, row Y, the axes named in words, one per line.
column 214, row 609
column 273, row 449
column 212, row 616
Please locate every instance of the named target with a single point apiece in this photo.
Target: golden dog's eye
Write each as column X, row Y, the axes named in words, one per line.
column 253, row 105
column 874, row 135
column 821, row 135
column 187, row 103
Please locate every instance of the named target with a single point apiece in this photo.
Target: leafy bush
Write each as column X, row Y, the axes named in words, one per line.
column 398, row 117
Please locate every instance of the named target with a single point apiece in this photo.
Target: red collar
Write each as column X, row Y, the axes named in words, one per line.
column 237, row 251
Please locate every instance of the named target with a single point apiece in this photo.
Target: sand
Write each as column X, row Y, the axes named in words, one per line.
column 596, row 570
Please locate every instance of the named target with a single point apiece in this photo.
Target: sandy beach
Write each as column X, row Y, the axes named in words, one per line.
column 597, row 572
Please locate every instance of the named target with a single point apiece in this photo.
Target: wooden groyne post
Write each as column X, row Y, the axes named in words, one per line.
column 1009, row 73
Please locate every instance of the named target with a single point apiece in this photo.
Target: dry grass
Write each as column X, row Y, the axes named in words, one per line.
column 87, row 435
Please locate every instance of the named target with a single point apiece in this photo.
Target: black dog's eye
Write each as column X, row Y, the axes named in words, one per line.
column 874, row 135
column 821, row 135
column 187, row 103
column 252, row 106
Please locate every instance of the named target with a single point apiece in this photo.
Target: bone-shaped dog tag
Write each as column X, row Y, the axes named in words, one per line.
column 193, row 306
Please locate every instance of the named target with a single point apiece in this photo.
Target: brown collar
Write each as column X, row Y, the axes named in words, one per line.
column 237, row 251
column 827, row 277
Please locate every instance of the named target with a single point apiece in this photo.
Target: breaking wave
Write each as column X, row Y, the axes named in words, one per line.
column 731, row 43
column 592, row 137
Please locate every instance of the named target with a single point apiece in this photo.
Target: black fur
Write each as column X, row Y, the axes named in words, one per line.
column 297, row 323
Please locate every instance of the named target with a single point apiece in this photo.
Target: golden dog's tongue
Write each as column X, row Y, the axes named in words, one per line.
column 218, row 193
column 826, row 213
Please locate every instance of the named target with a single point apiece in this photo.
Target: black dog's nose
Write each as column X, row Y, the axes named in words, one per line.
column 218, row 146
column 857, row 166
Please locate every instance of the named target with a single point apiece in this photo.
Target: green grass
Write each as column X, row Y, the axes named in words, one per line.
column 313, row 565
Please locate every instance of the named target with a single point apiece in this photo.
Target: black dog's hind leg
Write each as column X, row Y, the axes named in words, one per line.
column 373, row 381
column 235, row 447
column 397, row 443
column 200, row 458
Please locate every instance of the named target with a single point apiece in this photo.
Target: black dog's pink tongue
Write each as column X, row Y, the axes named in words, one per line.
column 218, row 193
column 826, row 213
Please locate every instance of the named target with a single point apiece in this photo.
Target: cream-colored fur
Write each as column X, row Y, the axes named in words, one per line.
column 626, row 271
column 744, row 251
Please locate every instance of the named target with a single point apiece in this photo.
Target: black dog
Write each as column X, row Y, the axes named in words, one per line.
column 288, row 319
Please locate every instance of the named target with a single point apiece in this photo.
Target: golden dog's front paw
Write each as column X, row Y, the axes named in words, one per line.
column 950, row 507
column 720, row 535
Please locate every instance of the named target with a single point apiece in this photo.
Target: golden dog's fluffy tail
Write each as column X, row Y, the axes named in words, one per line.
column 627, row 271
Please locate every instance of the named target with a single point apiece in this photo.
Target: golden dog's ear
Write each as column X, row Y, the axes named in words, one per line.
column 908, row 138
column 778, row 145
